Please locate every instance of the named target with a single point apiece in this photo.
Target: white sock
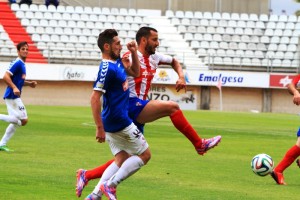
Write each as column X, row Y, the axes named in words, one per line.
column 129, row 167
column 10, row 119
column 108, row 173
column 10, row 130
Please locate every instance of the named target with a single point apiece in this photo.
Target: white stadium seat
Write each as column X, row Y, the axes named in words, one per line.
column 279, row 55
column 217, row 15
column 232, row 45
column 256, row 62
column 14, row 6
column 236, row 61
column 244, row 17
column 264, row 18
column 286, row 63
column 230, row 53
column 253, row 17
column 198, row 14
column 226, row 16
column 276, row 62
column 60, row 9
column 292, row 18
column 235, row 16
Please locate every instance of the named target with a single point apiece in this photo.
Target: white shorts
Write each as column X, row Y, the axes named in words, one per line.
column 130, row 139
column 15, row 107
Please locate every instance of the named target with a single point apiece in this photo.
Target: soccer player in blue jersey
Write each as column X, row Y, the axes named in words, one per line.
column 144, row 111
column 14, row 77
column 126, row 142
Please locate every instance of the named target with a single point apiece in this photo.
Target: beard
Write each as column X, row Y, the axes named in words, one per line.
column 150, row 50
column 114, row 56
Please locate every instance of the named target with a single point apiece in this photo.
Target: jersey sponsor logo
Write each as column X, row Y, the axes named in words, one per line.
column 148, row 73
column 162, row 76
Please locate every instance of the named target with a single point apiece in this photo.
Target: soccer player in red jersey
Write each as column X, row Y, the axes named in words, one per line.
column 294, row 151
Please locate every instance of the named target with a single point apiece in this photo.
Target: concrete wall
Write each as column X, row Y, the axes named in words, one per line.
column 237, row 99
column 69, row 93
column 252, row 99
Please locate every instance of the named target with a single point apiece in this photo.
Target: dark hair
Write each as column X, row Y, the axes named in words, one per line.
column 106, row 37
column 143, row 32
column 21, row 44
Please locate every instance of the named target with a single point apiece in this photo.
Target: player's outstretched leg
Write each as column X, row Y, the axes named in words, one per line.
column 278, row 177
column 286, row 161
column 208, row 144
column 83, row 176
column 201, row 145
column 81, row 181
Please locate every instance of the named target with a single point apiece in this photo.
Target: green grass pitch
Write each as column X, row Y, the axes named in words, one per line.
column 59, row 140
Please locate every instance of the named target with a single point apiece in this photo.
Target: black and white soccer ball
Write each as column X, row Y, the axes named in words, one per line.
column 262, row 164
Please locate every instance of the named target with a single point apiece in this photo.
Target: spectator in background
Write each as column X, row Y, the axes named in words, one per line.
column 28, row 2
column 52, row 2
column 12, row 1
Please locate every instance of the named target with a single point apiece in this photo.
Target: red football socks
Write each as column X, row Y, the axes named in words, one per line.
column 288, row 159
column 98, row 171
column 185, row 128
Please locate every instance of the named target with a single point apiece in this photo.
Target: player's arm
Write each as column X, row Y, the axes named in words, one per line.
column 293, row 91
column 96, row 111
column 7, row 79
column 180, row 83
column 30, row 83
column 132, row 65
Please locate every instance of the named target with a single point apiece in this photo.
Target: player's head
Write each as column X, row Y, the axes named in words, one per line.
column 147, row 38
column 22, row 48
column 110, row 44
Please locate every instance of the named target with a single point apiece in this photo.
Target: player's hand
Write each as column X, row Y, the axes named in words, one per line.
column 131, row 46
column 33, row 84
column 16, row 91
column 126, row 62
column 180, row 84
column 100, row 135
column 296, row 99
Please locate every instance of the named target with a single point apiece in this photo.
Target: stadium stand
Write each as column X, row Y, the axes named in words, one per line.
column 14, row 32
column 228, row 41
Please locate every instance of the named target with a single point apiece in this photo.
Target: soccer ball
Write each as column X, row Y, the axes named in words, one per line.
column 262, row 164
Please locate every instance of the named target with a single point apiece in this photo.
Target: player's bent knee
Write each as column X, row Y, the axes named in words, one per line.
column 173, row 106
column 146, row 156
